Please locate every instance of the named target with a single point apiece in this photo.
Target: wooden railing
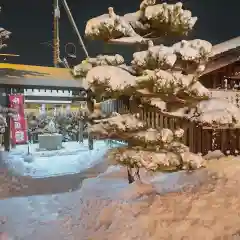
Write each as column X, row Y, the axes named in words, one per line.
column 198, row 138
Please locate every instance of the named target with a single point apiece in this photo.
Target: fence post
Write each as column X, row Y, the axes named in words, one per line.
column 90, row 141
column 191, row 136
column 161, row 124
column 80, row 130
column 157, row 119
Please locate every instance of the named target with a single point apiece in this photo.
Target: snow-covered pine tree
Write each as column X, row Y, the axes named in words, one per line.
column 162, row 76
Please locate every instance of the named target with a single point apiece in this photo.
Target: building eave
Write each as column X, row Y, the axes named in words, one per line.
column 223, row 54
column 223, row 61
column 225, row 47
column 39, row 77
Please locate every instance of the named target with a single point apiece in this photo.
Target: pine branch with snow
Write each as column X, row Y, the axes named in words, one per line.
column 163, row 77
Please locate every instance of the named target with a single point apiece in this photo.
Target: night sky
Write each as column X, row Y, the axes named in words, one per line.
column 30, row 22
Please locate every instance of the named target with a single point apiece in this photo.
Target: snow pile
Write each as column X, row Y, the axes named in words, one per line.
column 215, row 112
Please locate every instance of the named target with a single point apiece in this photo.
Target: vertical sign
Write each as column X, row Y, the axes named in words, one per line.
column 18, row 122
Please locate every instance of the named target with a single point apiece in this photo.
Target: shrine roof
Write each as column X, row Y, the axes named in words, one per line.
column 223, row 54
column 29, row 76
column 221, row 62
column 226, row 46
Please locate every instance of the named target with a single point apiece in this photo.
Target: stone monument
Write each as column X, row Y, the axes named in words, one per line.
column 50, row 140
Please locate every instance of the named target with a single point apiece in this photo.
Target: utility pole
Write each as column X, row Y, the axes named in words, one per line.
column 70, row 17
column 56, row 41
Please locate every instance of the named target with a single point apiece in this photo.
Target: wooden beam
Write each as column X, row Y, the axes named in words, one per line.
column 51, row 98
column 40, row 84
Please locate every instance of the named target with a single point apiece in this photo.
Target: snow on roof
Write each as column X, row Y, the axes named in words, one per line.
column 35, row 76
column 226, row 46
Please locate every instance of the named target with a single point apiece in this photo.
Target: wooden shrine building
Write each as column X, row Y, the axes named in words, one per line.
column 224, row 62
column 15, row 78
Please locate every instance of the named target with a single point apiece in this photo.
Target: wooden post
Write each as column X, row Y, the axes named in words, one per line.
column 204, row 145
column 208, row 139
column 191, row 137
column 172, row 123
column 199, row 146
column 238, row 140
column 80, row 130
column 165, row 122
column 142, row 114
column 56, row 51
column 145, row 115
column 185, row 126
column 153, row 122
column 90, row 141
column 130, row 175
column 161, row 122
column 1, row 139
column 90, row 105
column 149, row 118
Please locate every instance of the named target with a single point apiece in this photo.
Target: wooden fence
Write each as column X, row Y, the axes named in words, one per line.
column 113, row 105
column 198, row 138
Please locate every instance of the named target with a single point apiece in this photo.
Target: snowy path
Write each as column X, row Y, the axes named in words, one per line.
column 73, row 158
column 47, row 216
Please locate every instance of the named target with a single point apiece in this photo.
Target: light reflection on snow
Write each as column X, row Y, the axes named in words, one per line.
column 73, row 158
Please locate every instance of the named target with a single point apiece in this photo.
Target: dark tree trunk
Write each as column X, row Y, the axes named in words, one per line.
column 138, row 174
column 130, row 176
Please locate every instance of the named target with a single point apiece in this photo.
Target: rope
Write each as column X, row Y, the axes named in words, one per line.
column 70, row 17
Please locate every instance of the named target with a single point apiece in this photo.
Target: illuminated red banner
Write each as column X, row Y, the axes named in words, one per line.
column 18, row 122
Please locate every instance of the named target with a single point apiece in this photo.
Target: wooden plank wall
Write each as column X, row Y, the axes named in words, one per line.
column 225, row 139
column 121, row 107
column 199, row 139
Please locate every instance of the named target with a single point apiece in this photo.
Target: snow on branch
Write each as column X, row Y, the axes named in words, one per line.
column 161, row 150
column 4, row 35
column 150, row 20
column 156, row 161
column 109, row 26
column 170, row 83
column 83, row 68
column 117, row 124
column 167, row 18
column 180, row 56
column 111, row 80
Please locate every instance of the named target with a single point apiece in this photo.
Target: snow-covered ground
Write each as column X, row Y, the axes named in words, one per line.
column 73, row 158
